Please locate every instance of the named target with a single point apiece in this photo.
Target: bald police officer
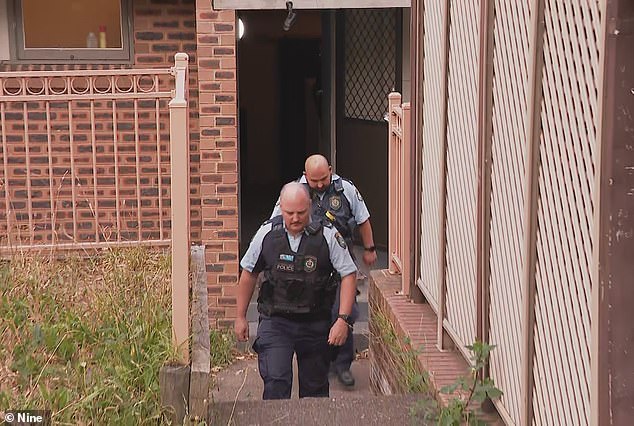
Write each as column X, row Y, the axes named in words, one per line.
column 337, row 201
column 301, row 262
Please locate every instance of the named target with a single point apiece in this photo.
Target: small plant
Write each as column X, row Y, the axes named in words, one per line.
column 475, row 387
column 222, row 344
column 401, row 356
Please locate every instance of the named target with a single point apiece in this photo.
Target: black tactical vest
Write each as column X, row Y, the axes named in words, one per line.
column 302, row 282
column 333, row 208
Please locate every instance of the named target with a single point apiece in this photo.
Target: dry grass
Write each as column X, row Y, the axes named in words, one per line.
column 85, row 337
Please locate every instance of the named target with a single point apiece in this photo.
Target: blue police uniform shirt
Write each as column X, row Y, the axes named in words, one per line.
column 339, row 255
column 357, row 205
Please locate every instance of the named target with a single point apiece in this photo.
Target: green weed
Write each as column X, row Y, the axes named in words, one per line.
column 223, row 350
column 403, row 357
column 475, row 387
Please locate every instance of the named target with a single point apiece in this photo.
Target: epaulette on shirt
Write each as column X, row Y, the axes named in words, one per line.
column 276, row 222
column 338, row 184
column 314, row 227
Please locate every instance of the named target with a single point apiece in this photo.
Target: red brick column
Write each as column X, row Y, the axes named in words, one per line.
column 218, row 157
column 160, row 31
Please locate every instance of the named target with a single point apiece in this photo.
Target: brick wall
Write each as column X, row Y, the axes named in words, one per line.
column 414, row 325
column 218, row 157
column 160, row 29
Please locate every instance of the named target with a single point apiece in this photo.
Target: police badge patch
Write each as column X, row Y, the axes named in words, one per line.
column 335, row 202
column 310, row 263
column 359, row 197
column 340, row 240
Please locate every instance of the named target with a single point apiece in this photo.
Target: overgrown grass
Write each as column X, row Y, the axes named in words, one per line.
column 402, row 365
column 223, row 348
column 85, row 338
column 402, row 357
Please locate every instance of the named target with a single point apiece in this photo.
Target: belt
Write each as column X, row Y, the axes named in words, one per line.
column 318, row 316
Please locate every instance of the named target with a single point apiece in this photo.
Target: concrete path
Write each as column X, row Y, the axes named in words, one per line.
column 241, row 381
column 236, row 391
column 395, row 410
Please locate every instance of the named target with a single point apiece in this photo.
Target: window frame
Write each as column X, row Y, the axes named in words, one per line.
column 20, row 54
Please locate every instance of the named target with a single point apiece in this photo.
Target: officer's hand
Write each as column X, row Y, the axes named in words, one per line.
column 241, row 328
column 369, row 257
column 338, row 333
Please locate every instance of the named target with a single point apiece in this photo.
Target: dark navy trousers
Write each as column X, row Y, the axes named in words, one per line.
column 344, row 355
column 277, row 340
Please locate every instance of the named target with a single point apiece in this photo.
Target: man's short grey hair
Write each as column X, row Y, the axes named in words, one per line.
column 293, row 188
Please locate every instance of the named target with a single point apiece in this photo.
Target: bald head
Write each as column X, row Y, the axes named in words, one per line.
column 318, row 173
column 295, row 206
column 294, row 191
column 315, row 161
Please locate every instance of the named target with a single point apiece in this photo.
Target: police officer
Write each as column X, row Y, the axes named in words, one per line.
column 301, row 262
column 337, row 201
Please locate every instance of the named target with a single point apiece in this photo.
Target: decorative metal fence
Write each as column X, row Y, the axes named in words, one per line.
column 509, row 103
column 85, row 158
column 97, row 159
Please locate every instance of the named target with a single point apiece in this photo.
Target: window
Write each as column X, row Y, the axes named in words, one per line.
column 71, row 30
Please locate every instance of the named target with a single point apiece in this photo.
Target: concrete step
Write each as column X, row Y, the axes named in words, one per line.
column 366, row 410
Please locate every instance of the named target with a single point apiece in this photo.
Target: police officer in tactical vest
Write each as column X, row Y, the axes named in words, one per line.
column 337, row 201
column 301, row 263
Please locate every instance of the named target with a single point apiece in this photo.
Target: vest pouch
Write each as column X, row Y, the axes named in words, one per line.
column 291, row 296
column 265, row 297
column 329, row 292
column 333, row 282
column 324, row 291
column 342, row 226
column 295, row 291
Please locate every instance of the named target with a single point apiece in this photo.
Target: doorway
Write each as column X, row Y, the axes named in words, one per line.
column 320, row 87
column 369, row 67
column 280, row 108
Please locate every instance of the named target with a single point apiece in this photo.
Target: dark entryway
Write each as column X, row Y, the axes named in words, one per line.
column 320, row 87
column 300, row 95
column 280, row 107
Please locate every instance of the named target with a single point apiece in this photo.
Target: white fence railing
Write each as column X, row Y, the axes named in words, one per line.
column 399, row 175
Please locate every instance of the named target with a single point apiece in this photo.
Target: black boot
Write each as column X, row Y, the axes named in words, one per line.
column 345, row 377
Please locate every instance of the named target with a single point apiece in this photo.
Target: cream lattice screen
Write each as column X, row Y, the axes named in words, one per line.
column 493, row 95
